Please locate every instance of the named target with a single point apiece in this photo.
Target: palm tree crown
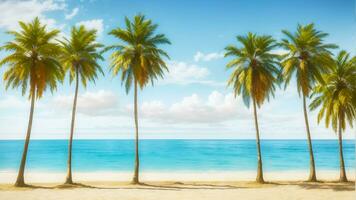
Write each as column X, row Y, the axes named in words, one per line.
column 138, row 57
column 256, row 69
column 33, row 60
column 307, row 56
column 80, row 52
column 337, row 96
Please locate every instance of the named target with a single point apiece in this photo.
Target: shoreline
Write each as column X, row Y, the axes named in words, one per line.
column 8, row 177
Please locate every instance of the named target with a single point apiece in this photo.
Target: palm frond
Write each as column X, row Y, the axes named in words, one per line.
column 33, row 59
column 138, row 57
column 256, row 70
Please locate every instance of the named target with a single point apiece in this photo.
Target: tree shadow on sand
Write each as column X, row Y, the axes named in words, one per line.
column 177, row 186
column 182, row 186
column 150, row 186
column 126, row 187
column 330, row 185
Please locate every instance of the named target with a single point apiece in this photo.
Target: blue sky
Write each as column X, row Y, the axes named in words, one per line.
column 193, row 100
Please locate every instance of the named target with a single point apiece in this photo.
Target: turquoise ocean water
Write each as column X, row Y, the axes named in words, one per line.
column 176, row 155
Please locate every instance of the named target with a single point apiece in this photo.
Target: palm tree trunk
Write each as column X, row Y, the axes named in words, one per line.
column 312, row 175
column 135, row 179
column 259, row 177
column 20, row 182
column 69, row 179
column 343, row 177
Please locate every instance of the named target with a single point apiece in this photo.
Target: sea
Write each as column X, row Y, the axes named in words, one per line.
column 175, row 155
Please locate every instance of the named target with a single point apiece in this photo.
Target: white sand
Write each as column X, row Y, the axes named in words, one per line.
column 187, row 191
column 179, row 186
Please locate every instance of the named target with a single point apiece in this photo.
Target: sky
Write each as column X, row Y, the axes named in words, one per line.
column 192, row 101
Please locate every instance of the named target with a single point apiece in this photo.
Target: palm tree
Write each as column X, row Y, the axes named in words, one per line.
column 80, row 57
column 33, row 63
column 307, row 58
column 337, row 99
column 139, row 60
column 255, row 74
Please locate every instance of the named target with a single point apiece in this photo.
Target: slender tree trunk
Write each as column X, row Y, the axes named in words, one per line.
column 312, row 175
column 20, row 182
column 135, row 179
column 69, row 179
column 259, row 177
column 343, row 177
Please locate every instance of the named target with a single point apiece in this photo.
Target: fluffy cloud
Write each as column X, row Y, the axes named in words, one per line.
column 216, row 115
column 12, row 102
column 72, row 14
column 184, row 73
column 216, row 108
column 181, row 72
column 89, row 103
column 96, row 24
column 199, row 56
column 12, row 11
column 279, row 51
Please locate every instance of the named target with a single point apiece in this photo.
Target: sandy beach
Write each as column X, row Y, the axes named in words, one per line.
column 187, row 190
column 175, row 186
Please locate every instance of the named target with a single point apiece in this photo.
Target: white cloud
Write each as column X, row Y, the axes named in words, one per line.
column 216, row 108
column 199, row 56
column 89, row 103
column 184, row 73
column 13, row 11
column 72, row 14
column 12, row 102
column 96, row 24
column 279, row 51
column 216, row 115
